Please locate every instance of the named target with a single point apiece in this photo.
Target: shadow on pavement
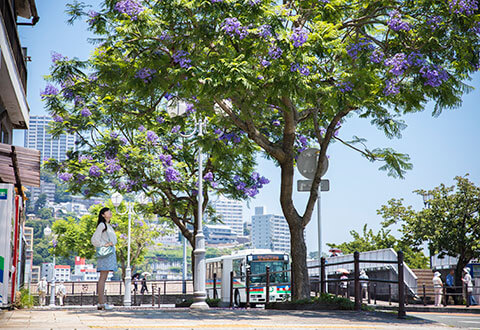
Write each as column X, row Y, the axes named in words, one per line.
column 250, row 315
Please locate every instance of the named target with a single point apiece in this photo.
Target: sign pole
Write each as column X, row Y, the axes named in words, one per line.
column 319, row 215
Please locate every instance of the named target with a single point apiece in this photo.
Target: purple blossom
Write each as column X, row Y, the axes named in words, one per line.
column 265, row 31
column 54, row 243
column 359, row 46
column 165, row 159
column 93, row 17
column 190, row 108
column 398, row 64
column 467, row 7
column 123, row 236
column 130, row 8
column 172, row 175
column 65, row 176
column 345, row 86
column 391, row 87
column 49, row 91
column 58, row 119
column 57, row 57
column 86, row 112
column 84, row 158
column 434, row 74
column 303, row 140
column 176, row 129
column 180, row 57
column 299, row 37
column 434, row 22
column 265, row 63
column 415, row 59
column 145, row 74
column 123, row 140
column 141, row 128
column 254, row 2
column 112, row 165
column 165, row 36
column 294, row 67
column 275, row 52
column 168, row 96
column 476, row 28
column 276, row 122
column 113, row 134
column 214, row 1
column 304, row 70
column 396, row 24
column 208, row 176
column 152, row 137
column 160, row 120
column 377, row 56
column 95, row 171
column 233, row 27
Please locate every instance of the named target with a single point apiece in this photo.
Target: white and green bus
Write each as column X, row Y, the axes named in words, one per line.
column 256, row 260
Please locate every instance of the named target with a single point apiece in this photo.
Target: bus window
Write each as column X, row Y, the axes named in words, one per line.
column 275, row 266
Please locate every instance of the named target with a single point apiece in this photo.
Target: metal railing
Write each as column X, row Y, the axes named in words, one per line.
column 85, row 292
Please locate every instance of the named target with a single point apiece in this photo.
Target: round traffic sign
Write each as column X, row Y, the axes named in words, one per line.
column 307, row 163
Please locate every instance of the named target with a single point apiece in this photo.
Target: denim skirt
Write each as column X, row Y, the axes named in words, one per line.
column 108, row 263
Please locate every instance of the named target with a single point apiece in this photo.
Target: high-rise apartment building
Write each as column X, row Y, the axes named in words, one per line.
column 37, row 137
column 230, row 212
column 270, row 231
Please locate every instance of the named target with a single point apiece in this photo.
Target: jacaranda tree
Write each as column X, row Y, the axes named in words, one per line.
column 284, row 74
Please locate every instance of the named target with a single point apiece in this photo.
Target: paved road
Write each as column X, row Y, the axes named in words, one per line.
column 460, row 320
column 209, row 319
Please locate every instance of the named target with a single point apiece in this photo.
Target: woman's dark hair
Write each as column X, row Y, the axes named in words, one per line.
column 101, row 219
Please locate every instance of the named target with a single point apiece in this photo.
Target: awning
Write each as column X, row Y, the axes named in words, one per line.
column 19, row 166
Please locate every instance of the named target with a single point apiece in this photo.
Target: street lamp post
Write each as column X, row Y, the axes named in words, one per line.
column 199, row 290
column 116, row 201
column 48, row 232
column 427, row 197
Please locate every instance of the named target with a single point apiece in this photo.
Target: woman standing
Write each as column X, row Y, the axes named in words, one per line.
column 104, row 239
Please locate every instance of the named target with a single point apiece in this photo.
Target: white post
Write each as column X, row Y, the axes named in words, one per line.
column 52, row 287
column 199, row 294
column 127, row 298
column 184, row 268
column 319, row 216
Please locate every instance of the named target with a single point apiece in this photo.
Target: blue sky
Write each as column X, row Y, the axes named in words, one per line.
column 440, row 148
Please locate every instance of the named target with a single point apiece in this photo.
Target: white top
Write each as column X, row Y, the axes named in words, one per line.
column 467, row 279
column 437, row 282
column 101, row 238
column 42, row 286
column 61, row 290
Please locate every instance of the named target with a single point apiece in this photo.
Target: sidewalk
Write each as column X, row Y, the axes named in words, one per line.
column 383, row 305
column 183, row 318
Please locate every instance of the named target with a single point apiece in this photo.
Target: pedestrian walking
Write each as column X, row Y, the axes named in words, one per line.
column 104, row 240
column 467, row 280
column 344, row 284
column 135, row 279
column 450, row 287
column 437, row 288
column 144, row 285
column 42, row 290
column 61, row 292
column 364, row 284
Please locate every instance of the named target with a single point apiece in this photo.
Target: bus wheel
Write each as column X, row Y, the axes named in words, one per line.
column 237, row 298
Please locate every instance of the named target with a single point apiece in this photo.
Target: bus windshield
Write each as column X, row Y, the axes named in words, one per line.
column 259, row 267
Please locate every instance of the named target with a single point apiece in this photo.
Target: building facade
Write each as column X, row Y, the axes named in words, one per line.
column 270, row 231
column 37, row 137
column 220, row 234
column 230, row 213
column 62, row 272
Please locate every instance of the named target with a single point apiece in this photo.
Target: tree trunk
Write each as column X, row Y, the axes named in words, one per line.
column 298, row 248
column 461, row 264
column 298, row 251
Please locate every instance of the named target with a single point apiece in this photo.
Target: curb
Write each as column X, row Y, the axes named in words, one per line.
column 425, row 309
